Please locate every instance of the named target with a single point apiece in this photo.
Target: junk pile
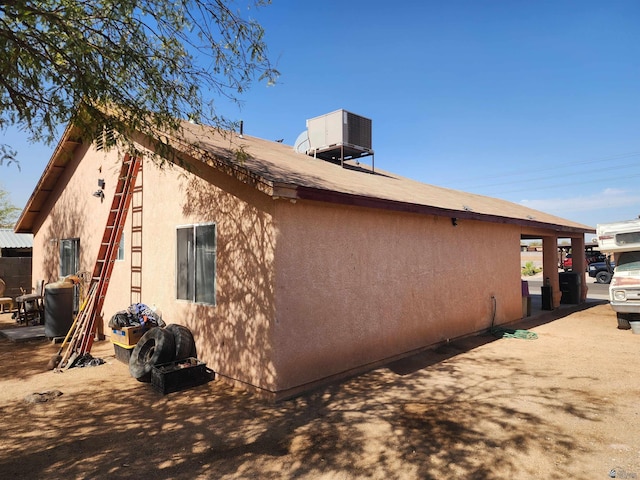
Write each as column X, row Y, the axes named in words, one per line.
column 160, row 354
column 137, row 314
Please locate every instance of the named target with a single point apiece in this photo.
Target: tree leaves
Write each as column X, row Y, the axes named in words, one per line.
column 124, row 64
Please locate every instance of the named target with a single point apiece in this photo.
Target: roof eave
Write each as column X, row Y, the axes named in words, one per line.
column 307, row 193
column 59, row 159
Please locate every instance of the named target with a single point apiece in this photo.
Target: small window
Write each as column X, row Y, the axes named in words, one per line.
column 196, row 263
column 120, row 256
column 69, row 256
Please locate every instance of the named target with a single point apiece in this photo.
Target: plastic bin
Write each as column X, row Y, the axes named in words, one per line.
column 58, row 309
column 179, row 375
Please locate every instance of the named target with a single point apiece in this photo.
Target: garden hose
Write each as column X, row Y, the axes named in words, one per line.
column 502, row 332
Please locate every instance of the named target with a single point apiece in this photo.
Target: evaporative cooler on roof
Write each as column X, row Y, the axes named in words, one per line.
column 336, row 137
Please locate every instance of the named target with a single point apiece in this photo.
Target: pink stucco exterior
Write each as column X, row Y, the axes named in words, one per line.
column 387, row 285
column 306, row 290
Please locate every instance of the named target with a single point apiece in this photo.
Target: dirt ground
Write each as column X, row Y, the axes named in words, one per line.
column 561, row 406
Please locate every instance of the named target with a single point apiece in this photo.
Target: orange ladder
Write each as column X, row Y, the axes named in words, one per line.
column 85, row 330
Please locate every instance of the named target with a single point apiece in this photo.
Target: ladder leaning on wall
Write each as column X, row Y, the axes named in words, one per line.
column 84, row 327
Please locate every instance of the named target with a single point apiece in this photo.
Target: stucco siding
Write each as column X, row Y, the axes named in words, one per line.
column 73, row 212
column 234, row 336
column 357, row 285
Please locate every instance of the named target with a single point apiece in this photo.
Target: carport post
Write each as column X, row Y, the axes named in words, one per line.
column 550, row 267
column 579, row 264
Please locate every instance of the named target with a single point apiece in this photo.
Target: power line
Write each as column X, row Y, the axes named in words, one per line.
column 616, row 178
column 557, row 168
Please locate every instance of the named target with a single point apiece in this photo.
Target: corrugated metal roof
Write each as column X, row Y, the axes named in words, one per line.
column 8, row 239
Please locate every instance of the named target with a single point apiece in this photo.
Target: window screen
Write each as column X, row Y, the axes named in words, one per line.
column 196, row 263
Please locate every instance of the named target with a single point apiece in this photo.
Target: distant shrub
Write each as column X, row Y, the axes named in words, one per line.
column 530, row 269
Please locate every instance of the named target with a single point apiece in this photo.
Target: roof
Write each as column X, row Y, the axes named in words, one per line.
column 8, row 239
column 277, row 170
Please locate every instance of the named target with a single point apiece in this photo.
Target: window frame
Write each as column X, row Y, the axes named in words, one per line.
column 190, row 293
column 121, row 253
column 75, row 243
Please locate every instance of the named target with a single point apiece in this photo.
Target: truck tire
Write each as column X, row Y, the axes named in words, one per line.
column 603, row 277
column 183, row 339
column 156, row 346
column 623, row 321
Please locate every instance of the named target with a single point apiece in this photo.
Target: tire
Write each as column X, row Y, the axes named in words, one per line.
column 183, row 339
column 623, row 321
column 156, row 346
column 603, row 277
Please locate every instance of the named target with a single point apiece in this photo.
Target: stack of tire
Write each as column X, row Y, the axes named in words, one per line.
column 160, row 345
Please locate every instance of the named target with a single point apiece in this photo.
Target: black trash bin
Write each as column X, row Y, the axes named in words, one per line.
column 547, row 298
column 570, row 286
column 58, row 309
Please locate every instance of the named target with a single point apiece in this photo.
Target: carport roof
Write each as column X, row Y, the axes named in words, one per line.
column 8, row 239
column 277, row 170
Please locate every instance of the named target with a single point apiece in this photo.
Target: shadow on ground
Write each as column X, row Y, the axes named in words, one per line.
column 435, row 415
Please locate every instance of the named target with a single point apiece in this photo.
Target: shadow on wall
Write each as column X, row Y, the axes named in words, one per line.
column 234, row 336
column 67, row 222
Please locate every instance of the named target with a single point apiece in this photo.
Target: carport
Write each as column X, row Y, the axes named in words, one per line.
column 550, row 272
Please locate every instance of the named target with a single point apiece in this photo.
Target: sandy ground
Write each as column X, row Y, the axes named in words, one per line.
column 561, row 406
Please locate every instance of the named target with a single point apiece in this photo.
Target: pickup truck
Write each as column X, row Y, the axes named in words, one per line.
column 623, row 239
column 624, row 290
column 601, row 271
column 567, row 263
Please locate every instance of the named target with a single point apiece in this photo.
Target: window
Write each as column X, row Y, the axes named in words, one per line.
column 121, row 248
column 69, row 256
column 196, row 263
column 70, row 263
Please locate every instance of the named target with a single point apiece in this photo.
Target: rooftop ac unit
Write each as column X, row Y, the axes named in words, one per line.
column 339, row 131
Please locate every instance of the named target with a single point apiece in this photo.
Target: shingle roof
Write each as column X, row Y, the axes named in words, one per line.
column 8, row 239
column 296, row 175
column 277, row 170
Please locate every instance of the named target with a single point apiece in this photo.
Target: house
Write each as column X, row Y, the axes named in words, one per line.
column 290, row 270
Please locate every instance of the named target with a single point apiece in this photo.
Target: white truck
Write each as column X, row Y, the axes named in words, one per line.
column 623, row 240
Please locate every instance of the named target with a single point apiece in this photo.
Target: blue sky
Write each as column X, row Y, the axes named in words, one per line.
column 536, row 102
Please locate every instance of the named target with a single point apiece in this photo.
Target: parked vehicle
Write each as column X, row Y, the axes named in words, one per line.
column 602, row 271
column 623, row 239
column 624, row 289
column 590, row 257
column 619, row 236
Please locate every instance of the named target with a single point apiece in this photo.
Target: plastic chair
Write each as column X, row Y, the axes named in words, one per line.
column 4, row 301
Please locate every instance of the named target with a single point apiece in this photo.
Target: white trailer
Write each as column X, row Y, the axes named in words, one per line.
column 623, row 239
column 619, row 236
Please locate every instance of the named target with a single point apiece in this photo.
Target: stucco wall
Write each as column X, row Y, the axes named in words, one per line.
column 355, row 286
column 73, row 212
column 233, row 337
column 322, row 290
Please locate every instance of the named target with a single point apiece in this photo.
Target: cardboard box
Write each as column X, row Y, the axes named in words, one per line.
column 127, row 336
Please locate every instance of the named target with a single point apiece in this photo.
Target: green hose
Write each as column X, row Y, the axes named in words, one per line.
column 508, row 333
column 502, row 332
